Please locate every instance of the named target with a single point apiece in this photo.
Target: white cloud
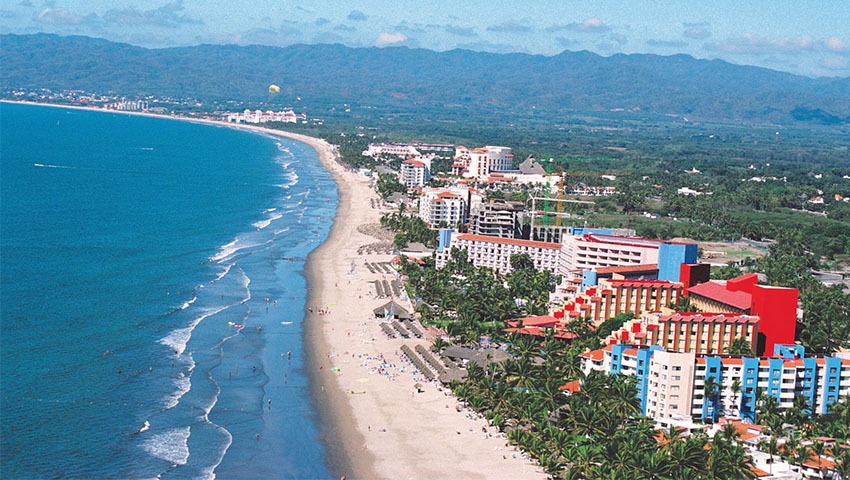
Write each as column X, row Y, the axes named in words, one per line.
column 593, row 24
column 589, row 25
column 390, row 38
column 460, row 31
column 619, row 38
column 652, row 42
column 836, row 44
column 567, row 43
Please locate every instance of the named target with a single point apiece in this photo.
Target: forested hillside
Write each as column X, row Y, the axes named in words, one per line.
column 415, row 80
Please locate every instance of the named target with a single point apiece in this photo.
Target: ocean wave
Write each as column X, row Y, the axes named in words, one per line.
column 211, row 471
column 183, row 383
column 229, row 250
column 177, row 339
column 265, row 223
column 171, row 446
column 291, row 180
column 188, row 303
column 47, row 165
column 223, row 273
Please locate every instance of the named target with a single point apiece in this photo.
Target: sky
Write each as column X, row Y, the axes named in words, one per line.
column 805, row 37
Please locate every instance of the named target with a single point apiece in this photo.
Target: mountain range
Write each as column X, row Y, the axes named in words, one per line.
column 417, row 80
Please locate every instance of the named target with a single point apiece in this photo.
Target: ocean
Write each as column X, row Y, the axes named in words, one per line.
column 152, row 296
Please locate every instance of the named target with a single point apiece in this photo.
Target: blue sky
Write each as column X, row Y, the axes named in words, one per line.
column 804, row 37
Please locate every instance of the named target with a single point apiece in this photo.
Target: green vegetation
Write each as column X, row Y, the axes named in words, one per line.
column 825, row 327
column 595, row 433
column 598, row 432
column 409, row 229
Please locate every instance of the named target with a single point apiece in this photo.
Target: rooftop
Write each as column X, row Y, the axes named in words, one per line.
column 719, row 293
column 508, row 241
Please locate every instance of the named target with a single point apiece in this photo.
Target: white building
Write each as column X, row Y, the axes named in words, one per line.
column 415, row 172
column 259, row 116
column 480, row 162
column 401, row 150
column 671, row 385
column 590, row 251
column 495, row 252
column 442, row 207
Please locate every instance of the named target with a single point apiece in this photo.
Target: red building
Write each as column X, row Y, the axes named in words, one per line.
column 776, row 307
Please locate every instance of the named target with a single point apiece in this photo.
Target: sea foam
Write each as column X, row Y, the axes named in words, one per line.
column 171, row 446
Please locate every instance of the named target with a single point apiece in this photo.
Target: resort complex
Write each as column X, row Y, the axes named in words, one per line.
column 700, row 353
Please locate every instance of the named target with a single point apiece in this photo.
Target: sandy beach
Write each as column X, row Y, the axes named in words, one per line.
column 375, row 422
column 380, row 424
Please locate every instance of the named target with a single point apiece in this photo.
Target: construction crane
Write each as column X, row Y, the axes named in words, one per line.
column 559, row 200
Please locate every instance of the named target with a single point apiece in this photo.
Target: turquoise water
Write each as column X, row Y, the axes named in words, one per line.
column 152, row 283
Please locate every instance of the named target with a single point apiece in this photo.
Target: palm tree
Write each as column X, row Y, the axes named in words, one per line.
column 767, row 406
column 653, row 465
column 623, row 400
column 688, row 455
column 804, row 454
column 772, row 447
column 712, row 389
column 818, row 450
column 584, row 457
column 736, row 391
column 842, row 464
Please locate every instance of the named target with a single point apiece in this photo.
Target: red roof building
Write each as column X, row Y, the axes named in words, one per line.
column 775, row 306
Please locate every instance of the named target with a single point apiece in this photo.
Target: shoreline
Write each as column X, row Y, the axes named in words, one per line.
column 372, row 421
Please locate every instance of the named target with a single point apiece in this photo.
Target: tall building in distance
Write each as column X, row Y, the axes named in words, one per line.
column 478, row 163
column 415, row 172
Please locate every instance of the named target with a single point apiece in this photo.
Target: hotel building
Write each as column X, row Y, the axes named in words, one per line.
column 441, row 207
column 590, row 251
column 495, row 252
column 672, row 384
column 497, row 218
column 775, row 306
column 702, row 333
column 414, row 173
column 615, row 296
column 478, row 163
